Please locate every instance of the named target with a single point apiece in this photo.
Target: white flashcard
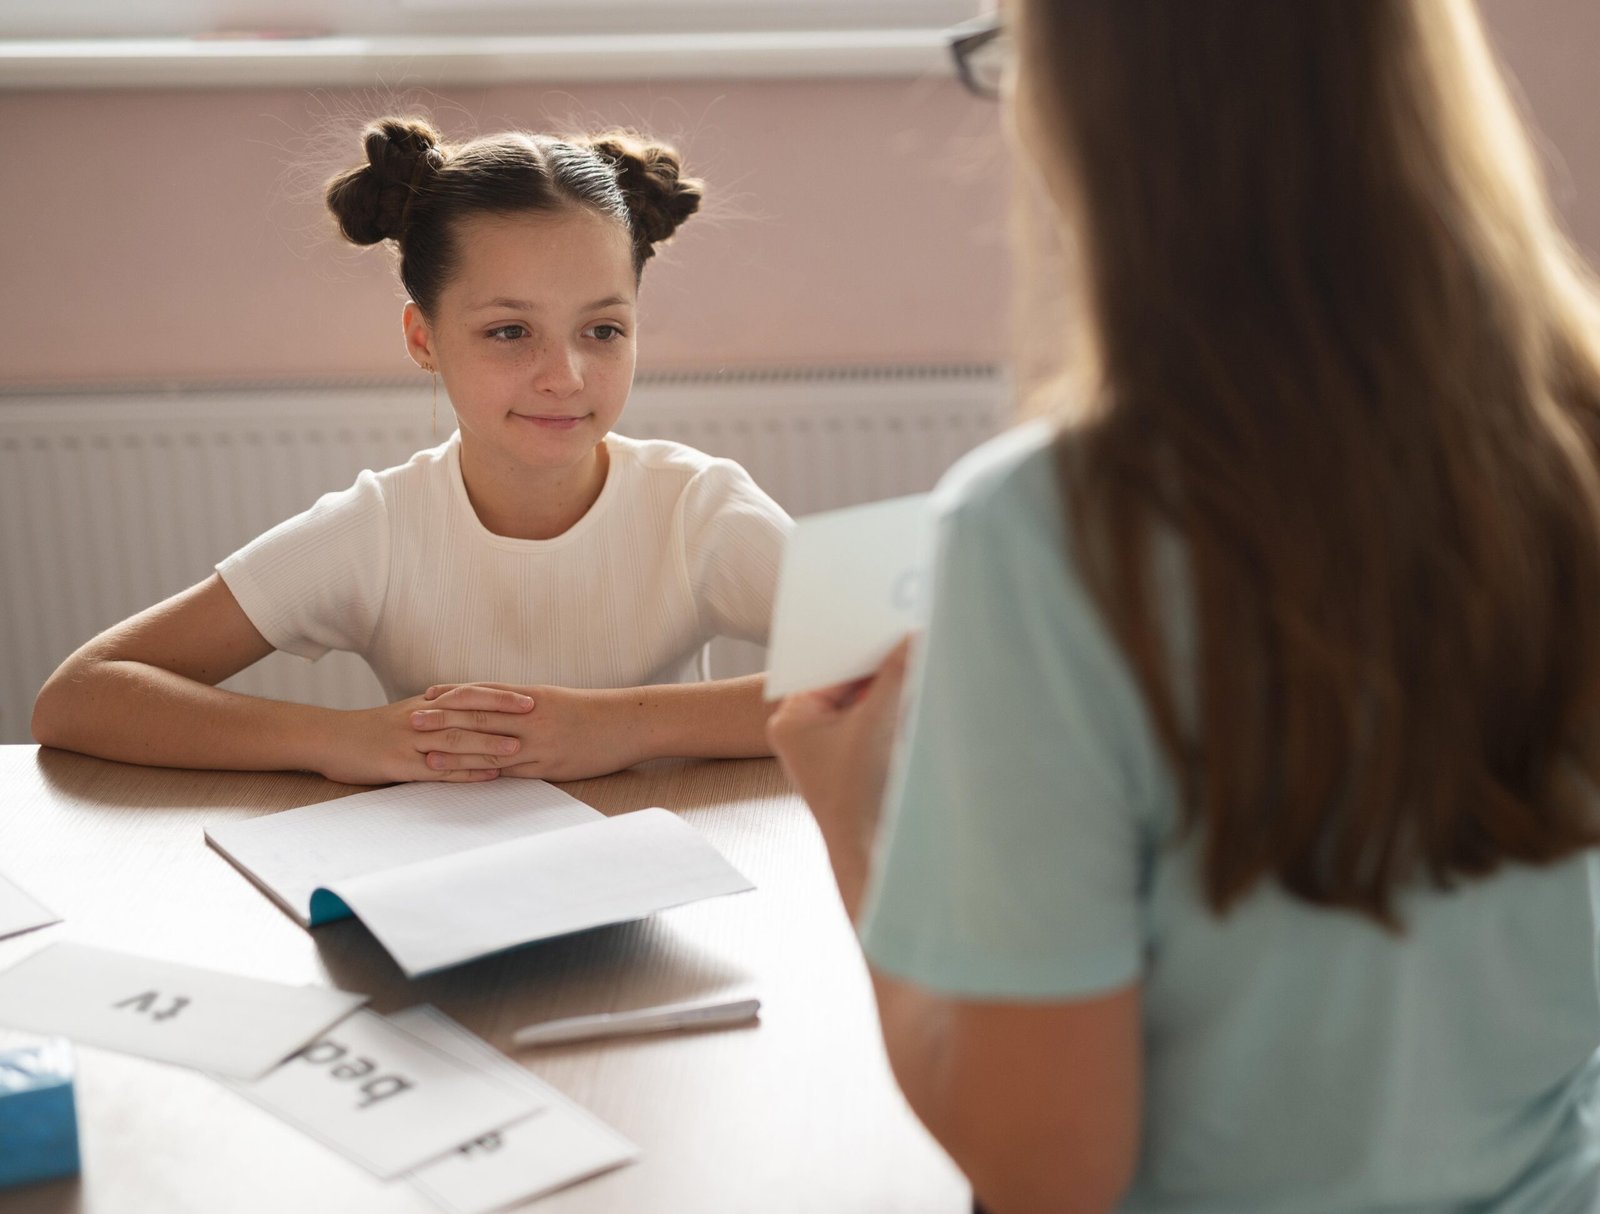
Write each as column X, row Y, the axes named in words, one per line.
column 557, row 1147
column 202, row 1018
column 851, row 584
column 21, row 912
column 386, row 1099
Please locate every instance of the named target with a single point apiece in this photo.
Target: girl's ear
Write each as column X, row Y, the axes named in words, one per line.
column 419, row 337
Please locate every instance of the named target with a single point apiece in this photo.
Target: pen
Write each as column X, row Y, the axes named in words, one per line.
column 642, row 1020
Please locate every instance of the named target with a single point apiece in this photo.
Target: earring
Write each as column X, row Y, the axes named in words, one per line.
column 433, row 422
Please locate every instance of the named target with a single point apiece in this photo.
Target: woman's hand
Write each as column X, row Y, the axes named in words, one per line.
column 835, row 745
column 383, row 745
column 566, row 734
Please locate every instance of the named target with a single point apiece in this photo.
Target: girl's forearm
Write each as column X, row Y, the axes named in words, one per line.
column 138, row 713
column 721, row 719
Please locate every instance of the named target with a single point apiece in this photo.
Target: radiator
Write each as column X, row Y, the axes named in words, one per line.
column 111, row 502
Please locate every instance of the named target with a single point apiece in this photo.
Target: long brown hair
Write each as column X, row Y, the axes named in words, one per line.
column 1344, row 356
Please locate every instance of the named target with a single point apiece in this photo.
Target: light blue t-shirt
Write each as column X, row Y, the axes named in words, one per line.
column 1296, row 1059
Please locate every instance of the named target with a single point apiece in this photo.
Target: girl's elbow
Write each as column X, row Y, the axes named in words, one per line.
column 53, row 715
column 47, row 725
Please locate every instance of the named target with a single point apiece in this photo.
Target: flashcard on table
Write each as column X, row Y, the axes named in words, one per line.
column 851, row 584
column 20, row 911
column 550, row 1150
column 385, row 1098
column 225, row 1023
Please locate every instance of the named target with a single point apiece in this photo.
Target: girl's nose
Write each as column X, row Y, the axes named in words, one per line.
column 558, row 373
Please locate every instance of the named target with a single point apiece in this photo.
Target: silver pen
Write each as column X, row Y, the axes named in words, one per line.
column 641, row 1020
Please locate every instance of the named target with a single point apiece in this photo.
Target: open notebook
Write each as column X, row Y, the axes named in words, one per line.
column 444, row 873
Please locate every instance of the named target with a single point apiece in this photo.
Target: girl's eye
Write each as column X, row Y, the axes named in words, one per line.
column 606, row 332
column 508, row 333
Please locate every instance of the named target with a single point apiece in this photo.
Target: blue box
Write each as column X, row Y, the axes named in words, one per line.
column 38, row 1115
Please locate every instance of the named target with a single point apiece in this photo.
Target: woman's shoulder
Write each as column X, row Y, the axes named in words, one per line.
column 1012, row 474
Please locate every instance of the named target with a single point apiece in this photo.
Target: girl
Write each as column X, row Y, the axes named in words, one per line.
column 582, row 570
column 1237, row 854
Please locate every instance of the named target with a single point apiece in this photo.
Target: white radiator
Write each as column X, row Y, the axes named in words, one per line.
column 111, row 502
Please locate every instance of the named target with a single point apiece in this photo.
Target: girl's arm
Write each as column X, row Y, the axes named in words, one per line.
column 143, row 692
column 571, row 734
column 719, row 719
column 1038, row 1103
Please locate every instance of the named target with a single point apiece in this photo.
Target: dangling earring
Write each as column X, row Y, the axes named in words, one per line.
column 433, row 423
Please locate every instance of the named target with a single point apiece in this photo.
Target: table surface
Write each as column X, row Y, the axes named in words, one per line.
column 795, row 1113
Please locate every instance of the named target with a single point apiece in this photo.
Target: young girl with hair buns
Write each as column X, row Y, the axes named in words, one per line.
column 581, row 571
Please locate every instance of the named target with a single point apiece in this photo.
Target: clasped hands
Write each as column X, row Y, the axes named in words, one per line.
column 478, row 731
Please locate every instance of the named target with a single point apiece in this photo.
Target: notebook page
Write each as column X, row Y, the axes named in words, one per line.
column 451, row 909
column 289, row 854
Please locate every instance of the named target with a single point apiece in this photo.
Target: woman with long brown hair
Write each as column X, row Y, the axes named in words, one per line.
column 1236, row 849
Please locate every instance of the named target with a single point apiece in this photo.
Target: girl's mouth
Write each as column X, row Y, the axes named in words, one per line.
column 551, row 421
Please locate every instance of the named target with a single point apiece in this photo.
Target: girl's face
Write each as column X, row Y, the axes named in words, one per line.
column 534, row 336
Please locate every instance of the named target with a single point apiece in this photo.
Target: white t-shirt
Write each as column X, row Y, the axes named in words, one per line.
column 678, row 548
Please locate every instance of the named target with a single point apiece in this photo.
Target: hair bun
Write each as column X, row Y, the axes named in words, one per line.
column 649, row 174
column 372, row 201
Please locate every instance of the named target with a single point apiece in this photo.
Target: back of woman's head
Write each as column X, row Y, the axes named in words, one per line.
column 1346, row 356
column 414, row 189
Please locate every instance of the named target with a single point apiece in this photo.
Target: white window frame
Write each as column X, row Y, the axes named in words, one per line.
column 432, row 43
column 73, row 19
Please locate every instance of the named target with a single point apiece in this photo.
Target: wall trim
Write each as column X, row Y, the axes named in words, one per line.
column 754, row 376
column 408, row 61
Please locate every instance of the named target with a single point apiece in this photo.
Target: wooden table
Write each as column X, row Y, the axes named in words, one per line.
column 797, row 1113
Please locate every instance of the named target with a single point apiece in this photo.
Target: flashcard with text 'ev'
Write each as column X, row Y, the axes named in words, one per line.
column 201, row 1018
column 851, row 584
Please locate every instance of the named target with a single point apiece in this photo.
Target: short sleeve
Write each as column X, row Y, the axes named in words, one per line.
column 1010, row 858
column 733, row 538
column 317, row 581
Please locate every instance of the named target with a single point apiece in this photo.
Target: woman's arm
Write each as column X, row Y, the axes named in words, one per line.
column 571, row 733
column 1038, row 1103
column 143, row 692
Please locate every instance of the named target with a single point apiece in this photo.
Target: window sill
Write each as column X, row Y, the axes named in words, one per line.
column 411, row 60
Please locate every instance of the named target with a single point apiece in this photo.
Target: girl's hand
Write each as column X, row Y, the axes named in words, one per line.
column 835, row 745
column 567, row 734
column 383, row 745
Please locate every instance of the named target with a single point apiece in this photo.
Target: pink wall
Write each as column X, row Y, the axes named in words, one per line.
column 1552, row 47
column 170, row 236
column 174, row 236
